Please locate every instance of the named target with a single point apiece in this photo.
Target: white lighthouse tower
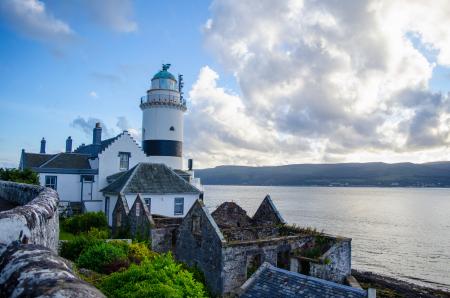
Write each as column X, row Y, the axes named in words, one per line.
column 162, row 121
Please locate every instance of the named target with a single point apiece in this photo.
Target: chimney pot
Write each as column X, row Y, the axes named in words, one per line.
column 69, row 145
column 97, row 134
column 43, row 146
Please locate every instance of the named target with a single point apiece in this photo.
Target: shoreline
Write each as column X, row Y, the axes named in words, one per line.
column 391, row 287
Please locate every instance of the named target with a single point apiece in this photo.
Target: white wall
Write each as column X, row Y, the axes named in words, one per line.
column 94, row 205
column 109, row 162
column 164, row 204
column 157, row 122
column 68, row 186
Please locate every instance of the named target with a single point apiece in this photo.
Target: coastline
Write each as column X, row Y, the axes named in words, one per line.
column 392, row 287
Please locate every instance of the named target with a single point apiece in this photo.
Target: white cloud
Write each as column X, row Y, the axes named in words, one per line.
column 321, row 81
column 31, row 18
column 93, row 94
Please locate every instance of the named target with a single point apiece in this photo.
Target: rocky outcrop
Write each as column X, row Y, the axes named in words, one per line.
column 28, row 270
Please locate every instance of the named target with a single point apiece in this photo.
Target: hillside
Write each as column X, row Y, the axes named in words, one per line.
column 436, row 174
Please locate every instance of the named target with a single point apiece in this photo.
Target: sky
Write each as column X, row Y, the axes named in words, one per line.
column 267, row 82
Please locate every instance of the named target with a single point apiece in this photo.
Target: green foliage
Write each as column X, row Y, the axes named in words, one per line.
column 159, row 277
column 138, row 252
column 72, row 249
column 291, row 230
column 101, row 256
column 15, row 175
column 82, row 223
column 98, row 233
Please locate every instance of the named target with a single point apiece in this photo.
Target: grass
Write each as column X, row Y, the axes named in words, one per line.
column 63, row 235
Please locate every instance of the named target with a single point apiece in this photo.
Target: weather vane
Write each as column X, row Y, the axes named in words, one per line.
column 165, row 66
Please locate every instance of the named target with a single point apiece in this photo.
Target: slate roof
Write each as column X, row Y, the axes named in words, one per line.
column 270, row 281
column 68, row 161
column 34, row 160
column 183, row 174
column 149, row 178
column 38, row 161
column 94, row 150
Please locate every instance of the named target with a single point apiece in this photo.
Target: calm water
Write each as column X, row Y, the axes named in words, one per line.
column 401, row 232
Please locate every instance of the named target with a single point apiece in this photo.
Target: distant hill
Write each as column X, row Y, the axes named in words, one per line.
column 435, row 174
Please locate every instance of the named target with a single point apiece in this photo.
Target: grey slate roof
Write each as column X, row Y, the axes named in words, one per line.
column 149, row 178
column 183, row 174
column 68, row 161
column 39, row 162
column 270, row 281
column 94, row 150
column 34, row 160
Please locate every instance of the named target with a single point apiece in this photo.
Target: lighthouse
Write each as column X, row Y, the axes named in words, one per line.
column 162, row 119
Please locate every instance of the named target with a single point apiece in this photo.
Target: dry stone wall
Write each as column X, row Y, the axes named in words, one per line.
column 28, row 270
column 35, row 220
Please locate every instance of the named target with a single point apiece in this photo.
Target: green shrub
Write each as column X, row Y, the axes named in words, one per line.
column 101, row 256
column 158, row 277
column 137, row 252
column 72, row 249
column 98, row 233
column 82, row 223
column 15, row 175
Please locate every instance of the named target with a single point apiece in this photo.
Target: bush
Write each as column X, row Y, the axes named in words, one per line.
column 101, row 256
column 137, row 252
column 159, row 277
column 98, row 233
column 15, row 175
column 82, row 223
column 72, row 249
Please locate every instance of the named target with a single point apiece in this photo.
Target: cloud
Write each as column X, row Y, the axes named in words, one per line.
column 88, row 124
column 93, row 94
column 114, row 14
column 320, row 81
column 123, row 124
column 31, row 18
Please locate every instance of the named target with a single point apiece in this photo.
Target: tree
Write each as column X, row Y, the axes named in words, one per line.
column 15, row 175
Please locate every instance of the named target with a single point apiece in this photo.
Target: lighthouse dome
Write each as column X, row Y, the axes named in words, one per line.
column 164, row 79
column 164, row 74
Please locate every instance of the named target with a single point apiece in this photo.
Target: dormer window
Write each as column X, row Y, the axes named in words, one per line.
column 124, row 161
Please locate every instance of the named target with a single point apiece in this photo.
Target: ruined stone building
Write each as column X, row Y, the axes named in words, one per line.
column 229, row 246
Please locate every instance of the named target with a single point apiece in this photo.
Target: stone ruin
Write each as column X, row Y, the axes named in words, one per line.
column 29, row 234
column 228, row 246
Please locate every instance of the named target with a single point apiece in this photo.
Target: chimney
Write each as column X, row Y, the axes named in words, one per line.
column 69, row 145
column 42, row 146
column 190, row 164
column 97, row 134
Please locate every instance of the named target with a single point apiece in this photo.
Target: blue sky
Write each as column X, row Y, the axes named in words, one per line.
column 260, row 91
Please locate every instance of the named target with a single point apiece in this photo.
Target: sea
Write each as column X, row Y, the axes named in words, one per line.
column 399, row 232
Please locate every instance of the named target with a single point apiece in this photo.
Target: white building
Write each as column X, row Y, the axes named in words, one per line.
column 84, row 177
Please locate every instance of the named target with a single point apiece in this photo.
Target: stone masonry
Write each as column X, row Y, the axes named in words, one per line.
column 35, row 220
column 29, row 233
column 228, row 245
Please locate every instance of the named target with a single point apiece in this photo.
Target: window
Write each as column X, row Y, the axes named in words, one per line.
column 172, row 128
column 51, row 181
column 179, row 206
column 148, row 202
column 196, row 225
column 138, row 208
column 124, row 161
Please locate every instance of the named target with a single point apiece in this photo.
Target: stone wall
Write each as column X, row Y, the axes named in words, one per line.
column 336, row 262
column 35, row 220
column 202, row 249
column 28, row 270
column 164, row 239
column 236, row 257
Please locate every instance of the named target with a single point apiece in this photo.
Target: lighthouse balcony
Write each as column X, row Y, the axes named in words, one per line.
column 162, row 100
